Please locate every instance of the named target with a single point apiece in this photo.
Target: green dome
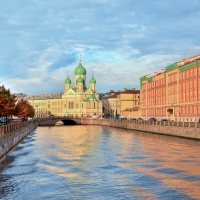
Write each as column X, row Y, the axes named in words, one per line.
column 79, row 80
column 67, row 81
column 92, row 80
column 80, row 70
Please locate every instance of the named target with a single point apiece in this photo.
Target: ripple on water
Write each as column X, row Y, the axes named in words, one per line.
column 168, row 171
column 93, row 162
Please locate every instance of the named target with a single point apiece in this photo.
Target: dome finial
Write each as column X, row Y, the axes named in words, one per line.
column 92, row 80
column 80, row 58
column 67, row 80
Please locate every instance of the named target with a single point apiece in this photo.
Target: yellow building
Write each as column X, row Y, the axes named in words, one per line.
column 117, row 103
column 131, row 113
column 128, row 99
column 77, row 101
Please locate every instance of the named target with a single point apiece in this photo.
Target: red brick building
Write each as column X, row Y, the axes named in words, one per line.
column 173, row 93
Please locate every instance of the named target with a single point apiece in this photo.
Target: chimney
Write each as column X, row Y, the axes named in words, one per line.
column 125, row 89
column 162, row 70
column 186, row 60
column 133, row 88
column 155, row 73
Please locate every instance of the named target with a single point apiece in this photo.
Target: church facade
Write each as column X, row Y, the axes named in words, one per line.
column 77, row 101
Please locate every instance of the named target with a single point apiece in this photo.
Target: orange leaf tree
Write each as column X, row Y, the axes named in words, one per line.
column 7, row 103
column 24, row 110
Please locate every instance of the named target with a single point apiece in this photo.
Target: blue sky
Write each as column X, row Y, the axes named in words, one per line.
column 120, row 41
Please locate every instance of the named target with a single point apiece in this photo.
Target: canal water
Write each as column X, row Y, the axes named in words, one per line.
column 95, row 162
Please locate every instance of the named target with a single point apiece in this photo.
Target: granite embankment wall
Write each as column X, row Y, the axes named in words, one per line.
column 180, row 129
column 13, row 134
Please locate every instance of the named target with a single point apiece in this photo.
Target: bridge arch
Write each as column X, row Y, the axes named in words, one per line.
column 66, row 121
column 69, row 122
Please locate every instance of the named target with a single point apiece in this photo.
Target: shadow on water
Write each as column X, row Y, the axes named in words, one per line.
column 96, row 162
column 7, row 184
column 166, row 138
column 66, row 123
column 8, row 160
column 8, row 189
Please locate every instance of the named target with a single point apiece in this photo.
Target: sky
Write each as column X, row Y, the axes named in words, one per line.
column 119, row 40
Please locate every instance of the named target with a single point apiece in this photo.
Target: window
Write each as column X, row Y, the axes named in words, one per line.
column 71, row 105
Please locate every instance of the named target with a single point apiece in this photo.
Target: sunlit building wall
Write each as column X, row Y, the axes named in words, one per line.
column 128, row 99
column 173, row 93
column 77, row 101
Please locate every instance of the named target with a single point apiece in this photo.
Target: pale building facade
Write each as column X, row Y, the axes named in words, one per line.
column 110, row 106
column 173, row 93
column 131, row 113
column 116, row 103
column 112, row 109
column 77, row 101
column 128, row 99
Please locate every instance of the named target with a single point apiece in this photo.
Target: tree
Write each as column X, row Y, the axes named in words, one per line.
column 7, row 103
column 24, row 110
column 9, row 107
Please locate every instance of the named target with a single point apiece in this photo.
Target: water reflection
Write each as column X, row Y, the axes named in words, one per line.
column 95, row 162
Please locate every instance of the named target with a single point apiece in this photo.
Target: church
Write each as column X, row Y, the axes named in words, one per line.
column 77, row 101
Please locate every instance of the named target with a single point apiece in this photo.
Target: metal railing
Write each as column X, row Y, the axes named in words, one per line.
column 14, row 126
column 161, row 123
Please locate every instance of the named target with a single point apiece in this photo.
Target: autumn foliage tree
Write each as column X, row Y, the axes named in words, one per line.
column 24, row 110
column 10, row 107
column 7, row 103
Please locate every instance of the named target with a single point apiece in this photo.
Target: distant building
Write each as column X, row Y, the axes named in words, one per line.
column 128, row 99
column 74, row 101
column 20, row 96
column 131, row 113
column 109, row 103
column 173, row 93
column 114, row 103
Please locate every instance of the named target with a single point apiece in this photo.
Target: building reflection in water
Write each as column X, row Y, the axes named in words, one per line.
column 93, row 161
column 173, row 161
column 74, row 147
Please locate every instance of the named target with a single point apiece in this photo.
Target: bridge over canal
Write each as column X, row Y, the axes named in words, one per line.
column 179, row 129
column 51, row 121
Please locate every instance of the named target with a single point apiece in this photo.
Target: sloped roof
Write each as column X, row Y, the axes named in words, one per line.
column 91, row 98
column 131, row 92
column 75, row 89
column 113, row 96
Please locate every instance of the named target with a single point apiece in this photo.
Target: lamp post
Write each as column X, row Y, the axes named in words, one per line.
column 103, row 110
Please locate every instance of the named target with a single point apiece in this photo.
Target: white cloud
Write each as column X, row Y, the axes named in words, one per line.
column 86, row 28
column 133, row 36
column 127, row 50
column 13, row 22
column 132, row 25
column 120, row 41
